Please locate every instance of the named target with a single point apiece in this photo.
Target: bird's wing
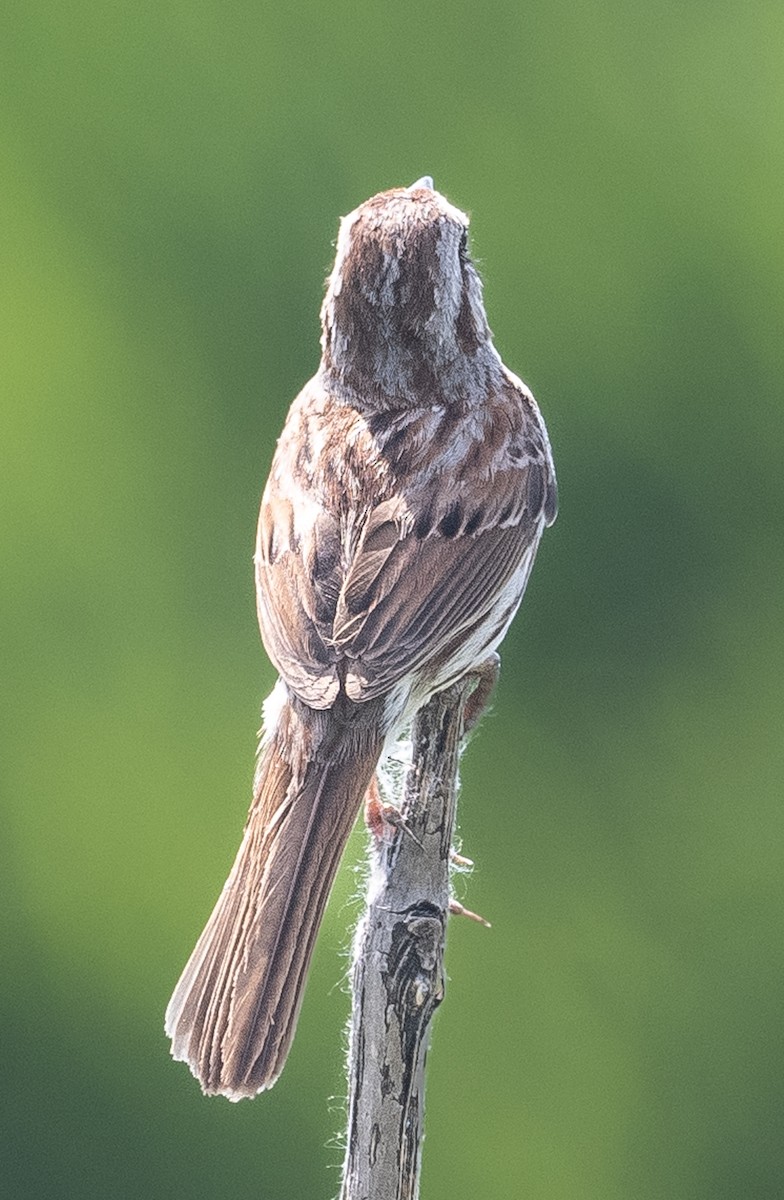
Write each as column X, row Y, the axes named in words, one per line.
column 364, row 593
column 439, row 596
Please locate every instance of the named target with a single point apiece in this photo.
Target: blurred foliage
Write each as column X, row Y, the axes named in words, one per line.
column 172, row 176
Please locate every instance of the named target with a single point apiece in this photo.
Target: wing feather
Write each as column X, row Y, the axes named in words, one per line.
column 369, row 595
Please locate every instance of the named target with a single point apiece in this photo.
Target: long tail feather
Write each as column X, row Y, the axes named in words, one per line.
column 233, row 1013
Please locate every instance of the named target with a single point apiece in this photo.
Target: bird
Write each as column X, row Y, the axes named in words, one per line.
column 398, row 528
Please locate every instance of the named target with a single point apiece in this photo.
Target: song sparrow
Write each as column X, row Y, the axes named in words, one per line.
column 398, row 528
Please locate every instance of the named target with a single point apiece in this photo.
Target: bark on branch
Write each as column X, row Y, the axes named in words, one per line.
column 398, row 970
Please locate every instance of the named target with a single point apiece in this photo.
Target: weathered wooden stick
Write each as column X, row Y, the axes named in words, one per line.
column 398, row 970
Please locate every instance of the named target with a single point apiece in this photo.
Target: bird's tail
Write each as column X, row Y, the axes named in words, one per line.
column 233, row 1013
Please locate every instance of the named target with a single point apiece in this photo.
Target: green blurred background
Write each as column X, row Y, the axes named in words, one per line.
column 171, row 180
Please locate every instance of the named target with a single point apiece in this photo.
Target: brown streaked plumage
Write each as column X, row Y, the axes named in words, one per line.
column 398, row 528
